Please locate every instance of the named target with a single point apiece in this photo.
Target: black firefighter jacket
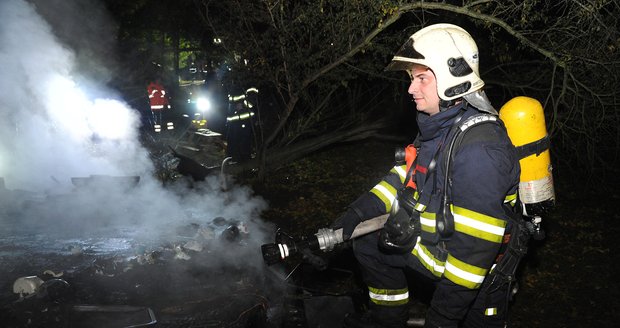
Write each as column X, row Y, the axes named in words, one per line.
column 484, row 179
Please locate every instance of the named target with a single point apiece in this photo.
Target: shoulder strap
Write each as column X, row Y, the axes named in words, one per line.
column 431, row 174
column 445, row 222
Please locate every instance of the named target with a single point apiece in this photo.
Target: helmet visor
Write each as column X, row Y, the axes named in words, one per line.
column 405, row 58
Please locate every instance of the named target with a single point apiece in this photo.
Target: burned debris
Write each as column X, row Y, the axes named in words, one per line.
column 172, row 284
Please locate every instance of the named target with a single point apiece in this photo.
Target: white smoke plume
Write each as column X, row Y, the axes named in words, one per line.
column 51, row 128
column 56, row 124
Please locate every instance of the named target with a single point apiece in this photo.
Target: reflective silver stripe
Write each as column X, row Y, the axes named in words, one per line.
column 390, row 298
column 477, row 119
column 283, row 251
column 385, row 192
column 163, row 92
column 427, row 222
column 437, row 267
column 490, row 311
column 420, row 207
column 477, row 279
column 401, row 172
column 240, row 117
column 499, row 231
column 236, row 98
column 157, row 106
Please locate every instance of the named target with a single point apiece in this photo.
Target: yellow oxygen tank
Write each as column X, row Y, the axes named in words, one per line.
column 525, row 122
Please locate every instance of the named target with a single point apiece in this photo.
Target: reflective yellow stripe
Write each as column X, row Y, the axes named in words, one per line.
column 240, row 117
column 464, row 274
column 236, row 98
column 427, row 259
column 401, row 171
column 429, row 224
column 389, row 297
column 386, row 193
column 490, row 311
column 478, row 225
column 511, row 199
column 419, row 206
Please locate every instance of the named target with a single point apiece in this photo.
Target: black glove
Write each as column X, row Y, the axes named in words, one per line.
column 347, row 221
column 402, row 228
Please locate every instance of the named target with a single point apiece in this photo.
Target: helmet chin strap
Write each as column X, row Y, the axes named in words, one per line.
column 446, row 104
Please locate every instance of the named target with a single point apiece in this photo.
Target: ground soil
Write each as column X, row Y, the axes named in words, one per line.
column 567, row 280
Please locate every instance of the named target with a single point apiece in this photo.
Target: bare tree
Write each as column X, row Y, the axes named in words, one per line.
column 562, row 52
column 292, row 45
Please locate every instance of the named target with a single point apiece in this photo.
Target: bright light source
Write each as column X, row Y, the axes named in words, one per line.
column 73, row 113
column 203, row 104
column 111, row 119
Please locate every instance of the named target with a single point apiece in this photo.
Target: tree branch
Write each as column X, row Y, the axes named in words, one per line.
column 487, row 18
column 467, row 11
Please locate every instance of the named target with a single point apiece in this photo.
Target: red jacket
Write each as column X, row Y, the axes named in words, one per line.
column 157, row 96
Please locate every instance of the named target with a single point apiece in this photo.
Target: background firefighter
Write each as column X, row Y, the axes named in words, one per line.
column 448, row 226
column 240, row 125
column 158, row 101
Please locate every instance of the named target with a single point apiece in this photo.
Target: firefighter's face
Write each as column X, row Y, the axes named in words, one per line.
column 423, row 89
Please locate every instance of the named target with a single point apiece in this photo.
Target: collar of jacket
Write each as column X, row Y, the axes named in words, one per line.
column 433, row 126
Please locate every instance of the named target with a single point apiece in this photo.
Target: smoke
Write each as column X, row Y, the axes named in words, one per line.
column 49, row 125
column 59, row 120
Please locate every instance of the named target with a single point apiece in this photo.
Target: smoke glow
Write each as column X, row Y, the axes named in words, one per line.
column 56, row 126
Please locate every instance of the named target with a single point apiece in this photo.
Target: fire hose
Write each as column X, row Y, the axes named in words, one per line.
column 325, row 240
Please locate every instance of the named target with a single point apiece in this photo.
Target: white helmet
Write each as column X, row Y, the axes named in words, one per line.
column 450, row 52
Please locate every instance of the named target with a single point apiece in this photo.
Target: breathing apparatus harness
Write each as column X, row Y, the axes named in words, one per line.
column 445, row 222
column 521, row 227
column 402, row 229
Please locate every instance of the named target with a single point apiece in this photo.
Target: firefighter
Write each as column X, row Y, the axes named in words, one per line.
column 158, row 101
column 447, row 222
column 240, row 125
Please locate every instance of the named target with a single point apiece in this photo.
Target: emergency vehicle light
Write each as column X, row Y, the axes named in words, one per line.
column 203, row 104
